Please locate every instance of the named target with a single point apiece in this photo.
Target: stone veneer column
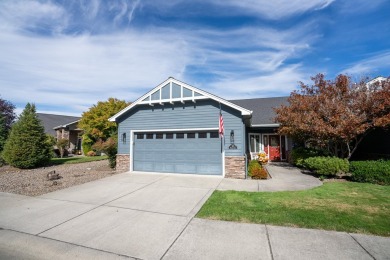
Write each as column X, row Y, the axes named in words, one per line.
column 235, row 167
column 122, row 163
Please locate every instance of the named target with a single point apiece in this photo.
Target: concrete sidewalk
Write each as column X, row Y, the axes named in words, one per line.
column 151, row 216
column 284, row 178
column 208, row 239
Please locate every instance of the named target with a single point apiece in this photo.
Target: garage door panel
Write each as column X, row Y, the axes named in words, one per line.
column 186, row 155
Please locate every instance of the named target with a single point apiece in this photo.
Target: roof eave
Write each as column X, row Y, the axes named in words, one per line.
column 265, row 125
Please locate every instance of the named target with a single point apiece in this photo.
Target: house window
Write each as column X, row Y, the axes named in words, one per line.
column 191, row 135
column 254, row 141
column 149, row 136
column 179, row 136
column 202, row 135
column 168, row 136
column 214, row 134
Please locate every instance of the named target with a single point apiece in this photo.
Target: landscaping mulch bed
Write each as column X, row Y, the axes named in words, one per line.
column 34, row 182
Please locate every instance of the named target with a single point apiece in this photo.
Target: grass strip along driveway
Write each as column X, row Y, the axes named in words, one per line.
column 76, row 159
column 341, row 206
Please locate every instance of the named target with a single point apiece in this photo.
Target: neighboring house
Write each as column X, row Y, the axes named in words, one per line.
column 61, row 126
column 174, row 128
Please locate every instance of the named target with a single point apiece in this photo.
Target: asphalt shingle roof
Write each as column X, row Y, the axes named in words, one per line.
column 50, row 121
column 262, row 108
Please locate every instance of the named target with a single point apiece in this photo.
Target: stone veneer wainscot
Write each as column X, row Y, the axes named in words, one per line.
column 122, row 162
column 235, row 167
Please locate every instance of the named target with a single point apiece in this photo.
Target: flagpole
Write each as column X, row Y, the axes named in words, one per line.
column 220, row 128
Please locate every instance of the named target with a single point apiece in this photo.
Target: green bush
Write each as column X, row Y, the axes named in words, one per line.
column 91, row 154
column 62, row 145
column 377, row 172
column 327, row 165
column 259, row 173
column 109, row 147
column 298, row 155
column 2, row 162
column 253, row 166
column 86, row 147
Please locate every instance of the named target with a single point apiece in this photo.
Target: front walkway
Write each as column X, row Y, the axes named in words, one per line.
column 284, row 178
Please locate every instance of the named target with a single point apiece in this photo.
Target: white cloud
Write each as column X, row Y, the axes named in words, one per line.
column 278, row 83
column 276, row 9
column 369, row 66
column 21, row 15
column 71, row 72
column 358, row 6
column 74, row 71
column 265, row 9
column 77, row 71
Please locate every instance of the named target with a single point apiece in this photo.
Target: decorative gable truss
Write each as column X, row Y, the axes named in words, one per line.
column 170, row 93
column 173, row 91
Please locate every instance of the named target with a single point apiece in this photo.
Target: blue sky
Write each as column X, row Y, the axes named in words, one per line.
column 64, row 56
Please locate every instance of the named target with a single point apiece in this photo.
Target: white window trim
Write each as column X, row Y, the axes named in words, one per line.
column 262, row 142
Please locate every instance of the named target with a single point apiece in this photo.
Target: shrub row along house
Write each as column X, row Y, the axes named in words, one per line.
column 63, row 127
column 174, row 128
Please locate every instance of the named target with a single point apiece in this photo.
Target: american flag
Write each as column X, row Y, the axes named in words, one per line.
column 221, row 130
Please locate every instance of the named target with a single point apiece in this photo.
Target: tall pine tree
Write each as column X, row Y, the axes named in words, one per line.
column 26, row 146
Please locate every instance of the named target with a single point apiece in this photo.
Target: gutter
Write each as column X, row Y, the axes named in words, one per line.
column 266, row 125
column 246, row 167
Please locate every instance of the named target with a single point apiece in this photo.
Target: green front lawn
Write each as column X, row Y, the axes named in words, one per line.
column 76, row 159
column 341, row 206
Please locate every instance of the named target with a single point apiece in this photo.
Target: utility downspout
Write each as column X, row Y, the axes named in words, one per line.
column 246, row 167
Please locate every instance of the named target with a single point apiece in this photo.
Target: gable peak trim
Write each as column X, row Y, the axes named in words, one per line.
column 151, row 98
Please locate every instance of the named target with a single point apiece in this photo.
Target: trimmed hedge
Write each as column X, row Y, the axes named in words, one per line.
column 377, row 172
column 256, row 170
column 327, row 165
column 298, row 155
column 259, row 174
column 254, row 166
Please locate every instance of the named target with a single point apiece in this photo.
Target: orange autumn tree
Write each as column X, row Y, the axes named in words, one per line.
column 335, row 114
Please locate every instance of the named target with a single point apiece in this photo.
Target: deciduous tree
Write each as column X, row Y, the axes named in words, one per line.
column 7, row 110
column 336, row 114
column 3, row 132
column 95, row 122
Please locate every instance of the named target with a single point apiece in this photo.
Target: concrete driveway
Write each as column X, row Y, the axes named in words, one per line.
column 151, row 216
column 136, row 215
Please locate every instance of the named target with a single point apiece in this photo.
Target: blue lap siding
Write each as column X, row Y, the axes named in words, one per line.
column 202, row 114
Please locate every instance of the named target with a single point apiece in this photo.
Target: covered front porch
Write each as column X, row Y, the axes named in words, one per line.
column 277, row 147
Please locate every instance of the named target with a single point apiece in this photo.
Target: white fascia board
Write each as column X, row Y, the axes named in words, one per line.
column 66, row 125
column 139, row 100
column 266, row 125
column 71, row 123
column 175, row 130
column 244, row 111
column 172, row 100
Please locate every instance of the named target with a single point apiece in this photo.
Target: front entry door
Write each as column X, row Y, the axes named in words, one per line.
column 272, row 146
